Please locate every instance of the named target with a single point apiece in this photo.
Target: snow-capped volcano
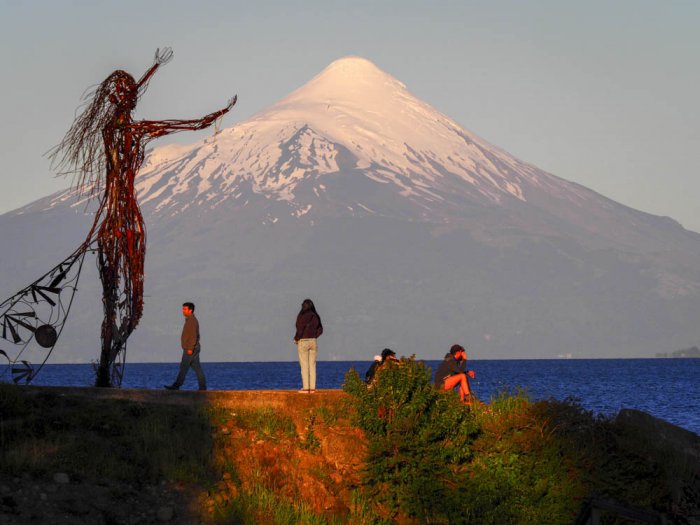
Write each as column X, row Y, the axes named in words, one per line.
column 407, row 230
column 352, row 116
column 355, row 105
column 354, row 141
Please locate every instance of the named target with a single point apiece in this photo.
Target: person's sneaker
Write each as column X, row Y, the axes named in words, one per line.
column 171, row 387
column 202, row 389
column 303, row 391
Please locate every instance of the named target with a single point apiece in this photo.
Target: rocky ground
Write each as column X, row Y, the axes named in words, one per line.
column 58, row 500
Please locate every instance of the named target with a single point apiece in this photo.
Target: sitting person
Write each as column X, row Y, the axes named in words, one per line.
column 387, row 355
column 373, row 368
column 453, row 372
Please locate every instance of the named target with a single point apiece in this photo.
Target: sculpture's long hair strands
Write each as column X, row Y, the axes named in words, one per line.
column 81, row 153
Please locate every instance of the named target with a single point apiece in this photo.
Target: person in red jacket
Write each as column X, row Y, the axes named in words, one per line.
column 309, row 328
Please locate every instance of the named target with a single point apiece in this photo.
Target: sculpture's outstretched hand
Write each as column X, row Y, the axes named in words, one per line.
column 156, row 129
column 231, row 102
column 164, row 56
column 222, row 112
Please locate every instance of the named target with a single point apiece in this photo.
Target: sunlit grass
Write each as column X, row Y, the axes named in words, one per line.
column 429, row 459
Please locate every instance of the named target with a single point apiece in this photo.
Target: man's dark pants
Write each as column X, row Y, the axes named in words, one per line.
column 185, row 364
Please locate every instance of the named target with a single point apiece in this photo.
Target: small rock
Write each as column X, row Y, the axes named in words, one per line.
column 51, row 487
column 43, row 496
column 79, row 507
column 4, row 489
column 61, row 478
column 165, row 514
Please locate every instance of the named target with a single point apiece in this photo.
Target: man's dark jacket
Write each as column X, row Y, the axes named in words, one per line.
column 189, row 340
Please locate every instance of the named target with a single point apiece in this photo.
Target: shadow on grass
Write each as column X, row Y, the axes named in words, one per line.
column 224, row 464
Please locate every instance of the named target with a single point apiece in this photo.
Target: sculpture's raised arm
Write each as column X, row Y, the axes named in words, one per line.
column 158, row 128
column 160, row 58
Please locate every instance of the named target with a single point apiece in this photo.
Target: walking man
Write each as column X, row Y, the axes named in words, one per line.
column 190, row 350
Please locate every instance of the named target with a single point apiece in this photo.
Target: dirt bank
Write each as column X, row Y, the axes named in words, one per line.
column 299, row 450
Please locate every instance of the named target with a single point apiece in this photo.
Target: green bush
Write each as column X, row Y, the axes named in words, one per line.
column 417, row 439
column 434, row 460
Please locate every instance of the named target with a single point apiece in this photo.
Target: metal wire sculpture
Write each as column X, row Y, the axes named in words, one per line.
column 104, row 150
column 37, row 315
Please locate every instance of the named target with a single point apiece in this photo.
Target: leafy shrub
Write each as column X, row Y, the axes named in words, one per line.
column 417, row 437
column 434, row 460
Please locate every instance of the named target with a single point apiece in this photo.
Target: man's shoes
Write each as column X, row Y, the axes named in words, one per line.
column 171, row 387
column 202, row 389
column 303, row 391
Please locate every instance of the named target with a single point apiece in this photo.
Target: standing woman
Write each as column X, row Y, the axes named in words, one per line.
column 309, row 328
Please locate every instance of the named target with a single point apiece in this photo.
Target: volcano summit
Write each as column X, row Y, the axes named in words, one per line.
column 407, row 230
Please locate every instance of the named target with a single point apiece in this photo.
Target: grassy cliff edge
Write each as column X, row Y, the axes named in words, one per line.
column 399, row 452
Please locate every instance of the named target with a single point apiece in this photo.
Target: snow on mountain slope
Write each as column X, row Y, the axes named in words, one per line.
column 352, row 116
column 354, row 140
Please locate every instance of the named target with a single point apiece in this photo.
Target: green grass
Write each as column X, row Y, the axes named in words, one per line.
column 329, row 415
column 310, row 440
column 262, row 505
column 96, row 438
column 266, row 422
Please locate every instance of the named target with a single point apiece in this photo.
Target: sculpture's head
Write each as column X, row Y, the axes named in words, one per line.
column 122, row 90
column 81, row 151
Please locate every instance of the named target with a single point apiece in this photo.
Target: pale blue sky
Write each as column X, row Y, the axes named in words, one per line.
column 603, row 93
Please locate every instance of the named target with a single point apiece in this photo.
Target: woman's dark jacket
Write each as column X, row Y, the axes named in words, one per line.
column 449, row 367
column 372, row 370
column 308, row 325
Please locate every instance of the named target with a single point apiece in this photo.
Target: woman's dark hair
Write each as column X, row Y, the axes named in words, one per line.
column 456, row 349
column 308, row 304
column 386, row 353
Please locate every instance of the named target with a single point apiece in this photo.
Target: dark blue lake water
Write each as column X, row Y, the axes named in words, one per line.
column 666, row 388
